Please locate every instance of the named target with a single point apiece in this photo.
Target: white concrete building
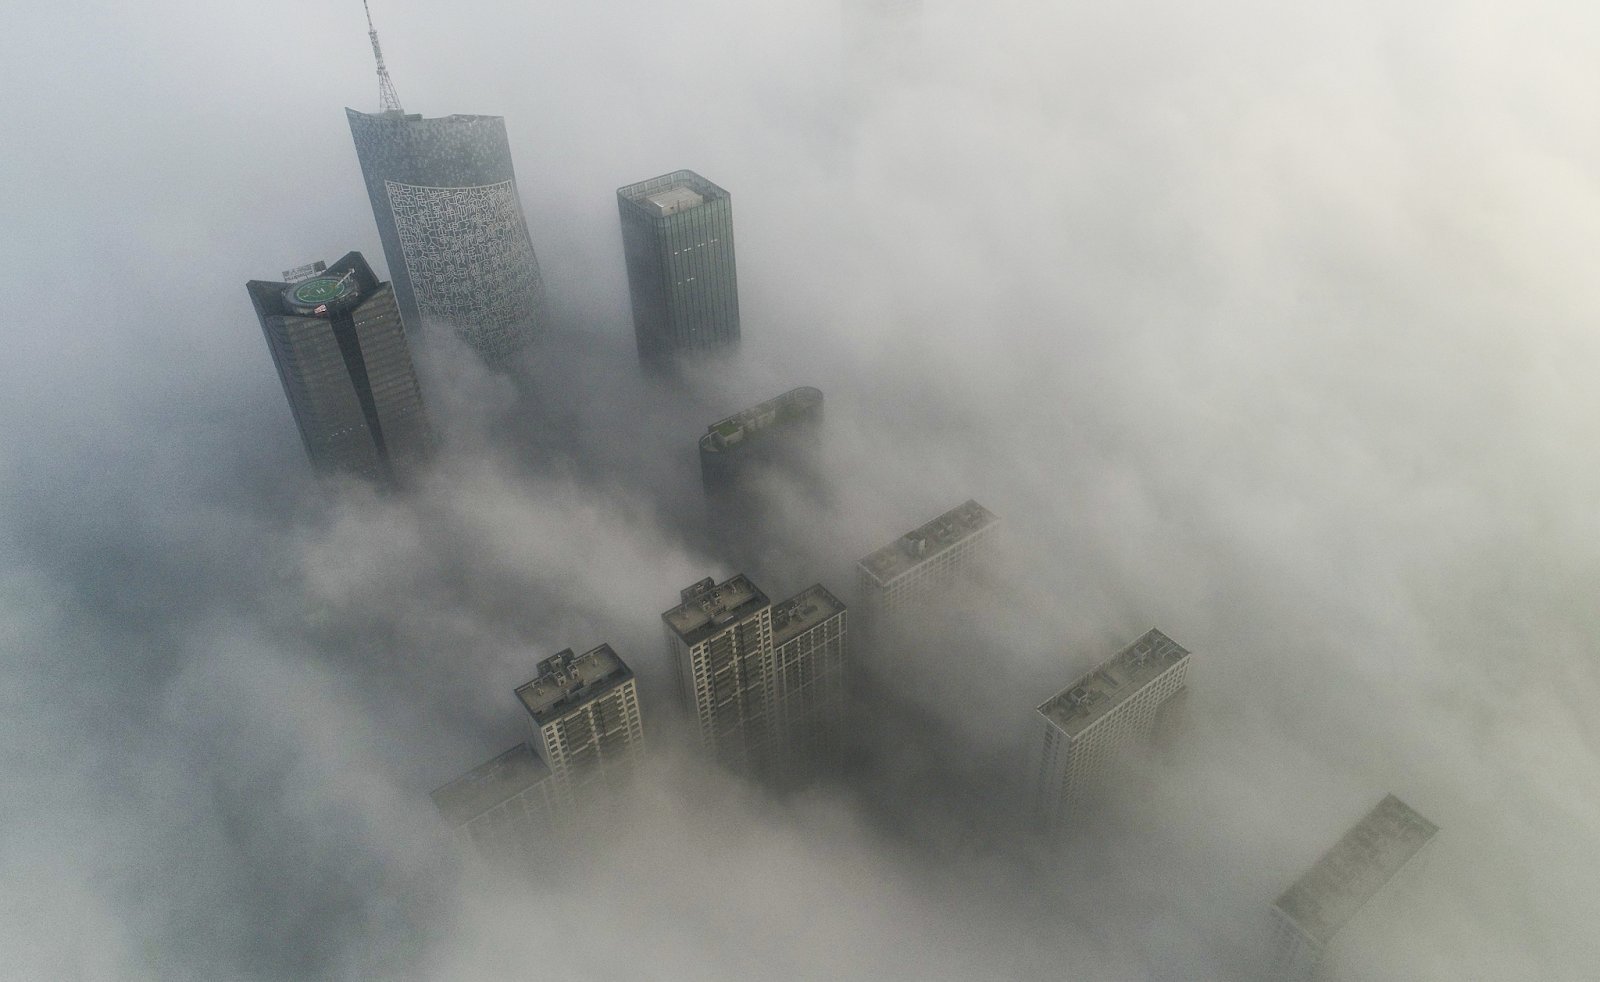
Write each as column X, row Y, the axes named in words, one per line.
column 1315, row 912
column 584, row 710
column 927, row 560
column 587, row 739
column 1090, row 722
column 765, row 682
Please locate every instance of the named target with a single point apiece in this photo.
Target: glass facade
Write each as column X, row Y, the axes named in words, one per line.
column 677, row 238
column 346, row 370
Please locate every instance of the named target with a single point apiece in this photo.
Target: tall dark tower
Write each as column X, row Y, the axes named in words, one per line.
column 444, row 195
column 340, row 348
column 677, row 238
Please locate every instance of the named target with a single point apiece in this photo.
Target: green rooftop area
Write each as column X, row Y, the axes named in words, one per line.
column 726, row 435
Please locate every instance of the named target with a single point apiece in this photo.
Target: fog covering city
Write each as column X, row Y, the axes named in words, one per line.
column 1269, row 326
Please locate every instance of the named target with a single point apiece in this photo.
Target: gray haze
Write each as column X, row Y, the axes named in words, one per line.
column 1270, row 325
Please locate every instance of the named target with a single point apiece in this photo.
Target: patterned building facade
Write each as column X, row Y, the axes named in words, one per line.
column 1107, row 710
column 445, row 198
column 677, row 241
column 340, row 349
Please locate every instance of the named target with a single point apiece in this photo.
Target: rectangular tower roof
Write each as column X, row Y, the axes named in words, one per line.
column 709, row 607
column 567, row 681
column 802, row 612
column 927, row 541
column 1099, row 691
column 490, row 784
column 732, row 432
column 671, row 193
column 1355, row 869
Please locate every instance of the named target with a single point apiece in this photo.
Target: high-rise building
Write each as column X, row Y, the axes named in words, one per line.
column 927, row 560
column 1100, row 715
column 677, row 239
column 765, row 681
column 587, row 742
column 445, row 198
column 1311, row 913
column 774, row 433
column 809, row 644
column 340, row 348
column 501, row 808
column 721, row 640
column 584, row 711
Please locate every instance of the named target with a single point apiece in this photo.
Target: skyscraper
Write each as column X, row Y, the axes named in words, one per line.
column 772, row 433
column 1087, row 724
column 765, row 681
column 445, row 198
column 586, row 725
column 810, row 644
column 587, row 740
column 925, row 560
column 501, row 808
column 1313, row 911
column 340, row 348
column 677, row 239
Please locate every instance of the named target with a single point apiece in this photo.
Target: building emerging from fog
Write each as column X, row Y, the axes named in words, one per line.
column 502, row 808
column 445, row 199
column 1311, row 914
column 677, row 239
column 1098, row 716
column 337, row 339
column 587, row 742
column 586, row 723
column 765, row 681
column 927, row 560
column 746, row 456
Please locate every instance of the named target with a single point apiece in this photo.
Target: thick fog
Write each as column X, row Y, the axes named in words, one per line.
column 1269, row 325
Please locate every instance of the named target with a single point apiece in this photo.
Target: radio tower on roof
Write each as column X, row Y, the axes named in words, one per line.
column 388, row 98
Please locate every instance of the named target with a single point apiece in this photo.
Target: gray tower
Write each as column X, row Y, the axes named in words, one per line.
column 1312, row 914
column 445, row 199
column 1100, row 715
column 677, row 238
column 773, row 434
column 338, row 342
column 765, row 681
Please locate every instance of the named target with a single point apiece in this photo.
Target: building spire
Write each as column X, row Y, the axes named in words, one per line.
column 388, row 98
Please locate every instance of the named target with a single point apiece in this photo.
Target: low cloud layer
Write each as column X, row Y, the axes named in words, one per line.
column 1268, row 327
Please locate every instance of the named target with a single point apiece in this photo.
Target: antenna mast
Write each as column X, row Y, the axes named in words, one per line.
column 388, row 98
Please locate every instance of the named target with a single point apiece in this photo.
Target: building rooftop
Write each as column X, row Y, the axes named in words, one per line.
column 671, row 193
column 319, row 290
column 1088, row 699
column 802, row 403
column 488, row 785
column 708, row 607
column 675, row 199
column 1359, row 864
column 802, row 612
column 567, row 681
column 922, row 544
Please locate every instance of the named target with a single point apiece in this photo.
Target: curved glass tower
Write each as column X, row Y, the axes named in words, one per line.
column 450, row 219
